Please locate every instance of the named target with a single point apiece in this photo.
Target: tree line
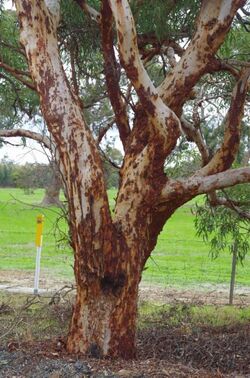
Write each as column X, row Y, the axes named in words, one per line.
column 28, row 177
column 31, row 176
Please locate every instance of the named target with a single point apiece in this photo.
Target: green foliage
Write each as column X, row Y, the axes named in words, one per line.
column 236, row 44
column 15, row 99
column 165, row 18
column 183, row 161
column 79, row 39
column 112, row 159
column 222, row 227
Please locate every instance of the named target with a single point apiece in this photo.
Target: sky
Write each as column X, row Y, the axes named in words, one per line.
column 33, row 153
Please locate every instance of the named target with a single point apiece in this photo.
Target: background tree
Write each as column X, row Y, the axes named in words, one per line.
column 151, row 115
column 6, row 173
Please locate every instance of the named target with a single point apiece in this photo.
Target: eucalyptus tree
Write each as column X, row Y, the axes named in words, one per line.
column 180, row 39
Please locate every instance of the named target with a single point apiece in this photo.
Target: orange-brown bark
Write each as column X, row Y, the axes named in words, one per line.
column 110, row 252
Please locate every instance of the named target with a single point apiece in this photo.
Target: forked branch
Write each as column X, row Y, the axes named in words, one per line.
column 166, row 124
column 213, row 23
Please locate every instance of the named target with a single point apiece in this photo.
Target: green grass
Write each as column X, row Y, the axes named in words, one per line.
column 18, row 214
column 192, row 315
column 180, row 257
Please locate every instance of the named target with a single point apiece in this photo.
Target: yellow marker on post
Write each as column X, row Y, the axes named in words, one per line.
column 38, row 242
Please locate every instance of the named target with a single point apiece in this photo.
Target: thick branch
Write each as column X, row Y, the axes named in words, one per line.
column 163, row 119
column 75, row 149
column 213, row 23
column 43, row 139
column 226, row 154
column 112, row 75
column 195, row 185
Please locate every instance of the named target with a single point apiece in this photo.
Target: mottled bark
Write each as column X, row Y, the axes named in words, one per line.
column 110, row 252
column 104, row 319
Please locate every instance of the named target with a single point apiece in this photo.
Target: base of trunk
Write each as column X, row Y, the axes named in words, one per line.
column 104, row 325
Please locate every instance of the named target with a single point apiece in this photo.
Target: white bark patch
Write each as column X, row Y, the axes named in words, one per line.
column 106, row 340
column 98, row 204
column 27, row 37
column 225, row 9
column 54, row 7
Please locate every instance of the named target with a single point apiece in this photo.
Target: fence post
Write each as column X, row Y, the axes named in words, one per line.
column 233, row 273
column 39, row 239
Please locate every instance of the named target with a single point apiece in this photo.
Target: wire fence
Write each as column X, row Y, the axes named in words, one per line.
column 178, row 269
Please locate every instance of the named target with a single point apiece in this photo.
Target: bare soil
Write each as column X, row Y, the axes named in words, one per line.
column 164, row 350
column 17, row 280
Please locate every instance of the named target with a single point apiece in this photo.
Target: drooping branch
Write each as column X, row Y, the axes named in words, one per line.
column 42, row 139
column 19, row 50
column 226, row 154
column 163, row 119
column 19, row 75
column 230, row 204
column 112, row 75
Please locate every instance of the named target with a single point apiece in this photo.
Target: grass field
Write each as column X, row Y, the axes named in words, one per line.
column 179, row 259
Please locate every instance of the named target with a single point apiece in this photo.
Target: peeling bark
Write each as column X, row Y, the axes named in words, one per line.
column 212, row 26
column 110, row 252
column 226, row 154
column 163, row 119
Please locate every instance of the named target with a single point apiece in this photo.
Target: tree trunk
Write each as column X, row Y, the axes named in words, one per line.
column 104, row 318
column 110, row 252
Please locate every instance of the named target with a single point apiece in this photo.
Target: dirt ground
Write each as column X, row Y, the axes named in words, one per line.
column 203, row 294
column 163, row 350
